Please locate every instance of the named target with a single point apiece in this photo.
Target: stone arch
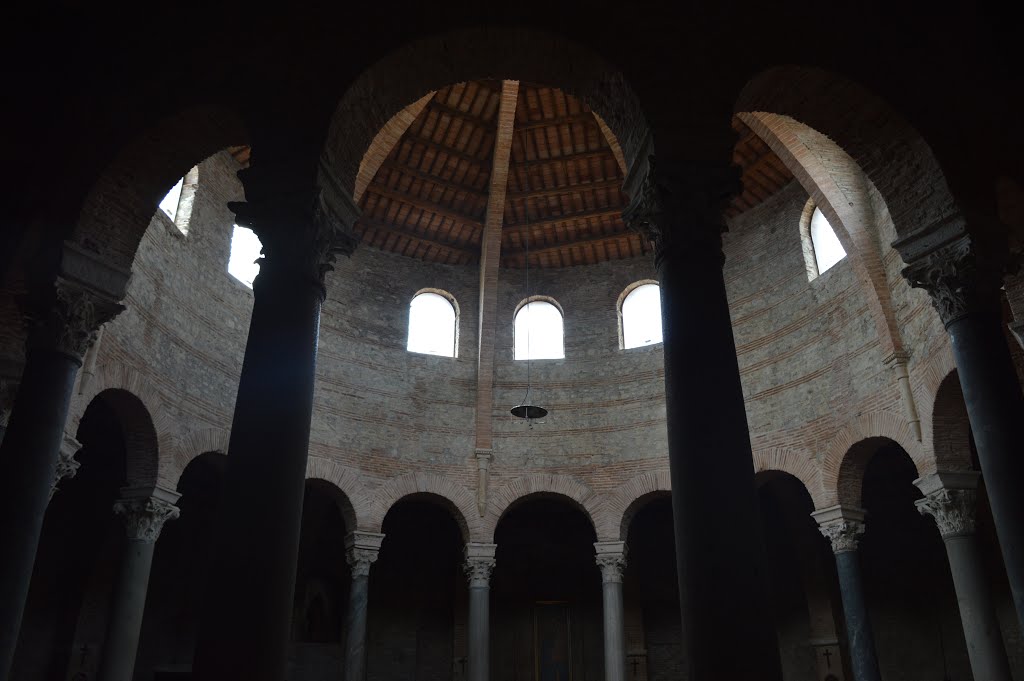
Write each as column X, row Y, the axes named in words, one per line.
column 403, row 77
column 539, row 483
column 796, row 463
column 866, row 128
column 120, row 204
column 152, row 457
column 627, row 499
column 843, row 463
column 356, row 508
column 456, row 498
column 951, row 426
column 839, row 188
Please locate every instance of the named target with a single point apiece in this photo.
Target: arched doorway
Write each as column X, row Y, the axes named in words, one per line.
column 546, row 593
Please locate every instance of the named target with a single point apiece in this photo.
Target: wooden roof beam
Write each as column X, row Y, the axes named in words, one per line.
column 414, row 201
column 571, row 158
column 581, row 215
column 581, row 117
column 547, row 248
column 434, row 179
column 444, row 149
column 462, row 249
column 615, row 183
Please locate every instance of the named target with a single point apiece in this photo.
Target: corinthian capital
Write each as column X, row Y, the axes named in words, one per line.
column 678, row 206
column 611, row 558
column 479, row 563
column 301, row 234
column 67, row 465
column 841, row 526
column 951, row 499
column 361, row 551
column 145, row 510
column 957, row 278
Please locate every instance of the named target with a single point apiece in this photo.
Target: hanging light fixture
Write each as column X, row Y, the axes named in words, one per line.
column 525, row 410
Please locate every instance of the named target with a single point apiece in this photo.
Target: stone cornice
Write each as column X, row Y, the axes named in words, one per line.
column 841, row 526
column 145, row 510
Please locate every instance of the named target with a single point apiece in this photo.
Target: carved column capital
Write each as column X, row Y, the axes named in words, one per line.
column 66, row 312
column 841, row 526
column 361, row 551
column 300, row 233
column 957, row 279
column 678, row 206
column 951, row 499
column 67, row 465
column 145, row 510
column 611, row 558
column 479, row 564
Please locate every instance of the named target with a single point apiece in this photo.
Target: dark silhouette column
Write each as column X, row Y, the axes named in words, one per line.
column 842, row 527
column 719, row 547
column 144, row 511
column 964, row 285
column 244, row 629
column 611, row 558
column 361, row 551
column 63, row 318
column 479, row 564
column 951, row 498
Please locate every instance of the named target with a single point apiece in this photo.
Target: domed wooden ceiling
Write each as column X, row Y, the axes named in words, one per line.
column 428, row 198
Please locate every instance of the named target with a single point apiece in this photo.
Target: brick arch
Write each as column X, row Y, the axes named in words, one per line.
column 628, row 498
column 852, row 448
column 837, row 186
column 356, row 507
column 950, row 426
column 120, row 205
column 566, row 486
column 152, row 458
column 799, row 464
column 193, row 444
column 456, row 498
column 406, row 75
column 866, row 128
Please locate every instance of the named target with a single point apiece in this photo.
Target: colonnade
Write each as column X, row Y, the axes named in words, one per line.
column 678, row 205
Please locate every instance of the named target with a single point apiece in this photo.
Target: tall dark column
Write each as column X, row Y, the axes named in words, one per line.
column 245, row 627
column 144, row 511
column 361, row 551
column 479, row 564
column 611, row 558
column 951, row 499
column 842, row 526
column 965, row 290
column 719, row 547
column 62, row 324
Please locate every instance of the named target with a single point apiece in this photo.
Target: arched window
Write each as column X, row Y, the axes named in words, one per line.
column 824, row 244
column 538, row 331
column 177, row 205
column 433, row 324
column 245, row 251
column 640, row 312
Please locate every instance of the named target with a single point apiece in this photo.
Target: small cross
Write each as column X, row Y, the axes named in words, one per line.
column 828, row 658
column 636, row 665
column 85, row 653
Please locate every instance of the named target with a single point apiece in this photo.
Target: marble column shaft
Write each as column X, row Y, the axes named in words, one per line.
column 479, row 565
column 361, row 551
column 244, row 628
column 60, row 330
column 953, row 509
column 842, row 527
column 720, row 552
column 964, row 287
column 144, row 512
column 611, row 558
